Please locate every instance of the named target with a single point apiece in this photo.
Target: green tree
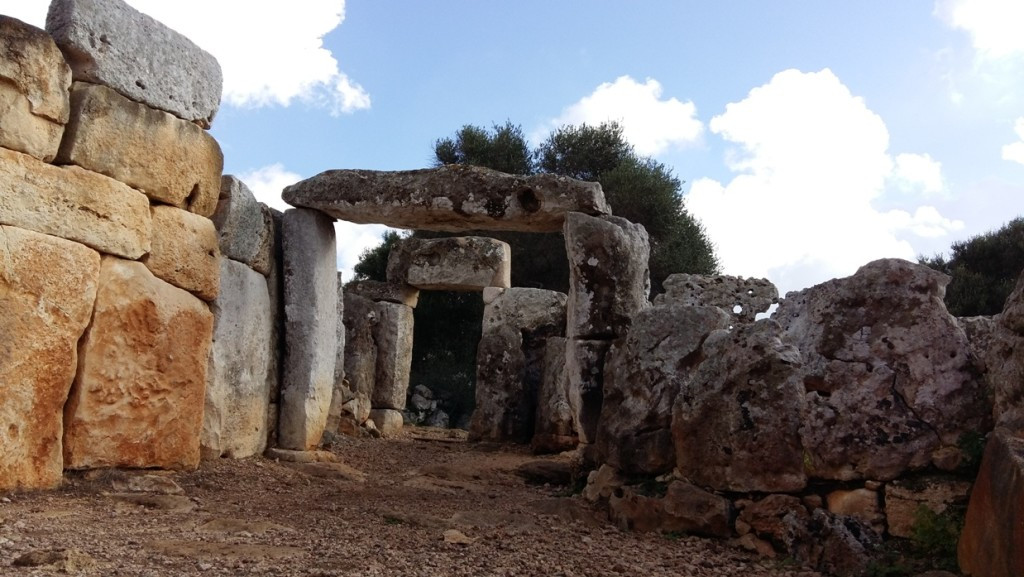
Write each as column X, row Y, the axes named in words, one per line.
column 984, row 270
column 373, row 262
column 503, row 148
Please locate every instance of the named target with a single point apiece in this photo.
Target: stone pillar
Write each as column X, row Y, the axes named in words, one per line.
column 609, row 281
column 310, row 308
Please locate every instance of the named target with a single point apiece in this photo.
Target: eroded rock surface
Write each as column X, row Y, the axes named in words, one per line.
column 244, row 226
column 34, row 82
column 555, row 425
column 743, row 298
column 452, row 198
column 184, row 251
column 469, row 263
column 887, row 371
column 47, row 290
column 378, row 291
column 102, row 41
column 360, row 319
column 393, row 339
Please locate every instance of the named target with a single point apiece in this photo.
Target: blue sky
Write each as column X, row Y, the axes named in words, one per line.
column 813, row 136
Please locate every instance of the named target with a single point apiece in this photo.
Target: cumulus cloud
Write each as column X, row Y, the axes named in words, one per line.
column 1015, row 151
column 918, row 173
column 271, row 53
column 810, row 159
column 994, row 25
column 650, row 123
column 267, row 183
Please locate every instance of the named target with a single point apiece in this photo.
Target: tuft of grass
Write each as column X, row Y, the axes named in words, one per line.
column 934, row 535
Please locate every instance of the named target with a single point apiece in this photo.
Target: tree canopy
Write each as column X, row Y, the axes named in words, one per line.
column 984, row 270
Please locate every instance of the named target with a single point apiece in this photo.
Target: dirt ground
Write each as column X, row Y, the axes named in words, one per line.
column 426, row 504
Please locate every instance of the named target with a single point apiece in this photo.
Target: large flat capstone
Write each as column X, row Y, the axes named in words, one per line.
column 452, row 198
column 103, row 41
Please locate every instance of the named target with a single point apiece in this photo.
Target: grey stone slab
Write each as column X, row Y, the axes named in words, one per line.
column 104, row 42
column 467, row 263
column 310, row 312
column 244, row 225
column 393, row 336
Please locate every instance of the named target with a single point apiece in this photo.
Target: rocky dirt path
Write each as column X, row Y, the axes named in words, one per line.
column 424, row 504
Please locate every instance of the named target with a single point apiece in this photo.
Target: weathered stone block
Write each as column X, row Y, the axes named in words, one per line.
column 737, row 416
column 584, row 366
column 469, row 263
column 528, row 309
column 685, row 508
column 47, row 290
column 742, row 298
column 310, row 309
column 452, row 198
column 643, row 374
column 903, row 499
column 102, row 41
column 555, row 427
column 137, row 400
column 237, row 392
column 244, row 226
column 992, row 542
column 34, row 81
column 170, row 160
column 185, row 251
column 360, row 319
column 74, row 204
column 275, row 288
column 609, row 278
column 393, row 337
column 864, row 504
column 378, row 292
column 388, row 421
column 888, row 373
column 340, row 393
column 998, row 353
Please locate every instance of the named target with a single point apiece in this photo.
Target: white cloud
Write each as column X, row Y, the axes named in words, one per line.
column 650, row 124
column 994, row 25
column 1015, row 151
column 918, row 173
column 811, row 158
column 267, row 183
column 270, row 52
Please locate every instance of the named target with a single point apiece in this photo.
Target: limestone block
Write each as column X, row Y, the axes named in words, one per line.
column 743, row 298
column 737, row 417
column 888, row 372
column 102, row 41
column 341, row 393
column 275, row 288
column 170, row 160
column 527, row 309
column 584, row 367
column 643, row 373
column 863, row 503
column 609, row 278
column 904, row 497
column 469, row 263
column 47, row 290
column 685, row 508
column 502, row 412
column 34, row 82
column 555, row 426
column 137, row 400
column 185, row 251
column 990, row 543
column 393, row 337
column 74, row 204
column 237, row 391
column 998, row 353
column 1012, row 316
column 310, row 311
column 388, row 421
column 244, row 226
column 451, row 198
column 360, row 318
column 378, row 291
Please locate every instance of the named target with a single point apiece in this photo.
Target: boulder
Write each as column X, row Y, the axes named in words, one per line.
column 998, row 353
column 378, row 291
column 454, row 197
column 360, row 319
column 102, row 41
column 888, row 373
column 34, row 82
column 170, row 160
column 47, row 290
column 609, row 278
column 737, row 416
column 137, row 401
column 237, row 390
column 555, row 426
column 185, row 251
column 244, row 226
column 1012, row 316
column 832, row 544
column 584, row 369
column 74, row 204
column 525, row 308
column 765, row 517
column 393, row 337
column 469, row 263
column 643, row 374
column 684, row 508
column 863, row 504
column 742, row 298
column 310, row 316
column 904, row 499
column 991, row 541
column 388, row 421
